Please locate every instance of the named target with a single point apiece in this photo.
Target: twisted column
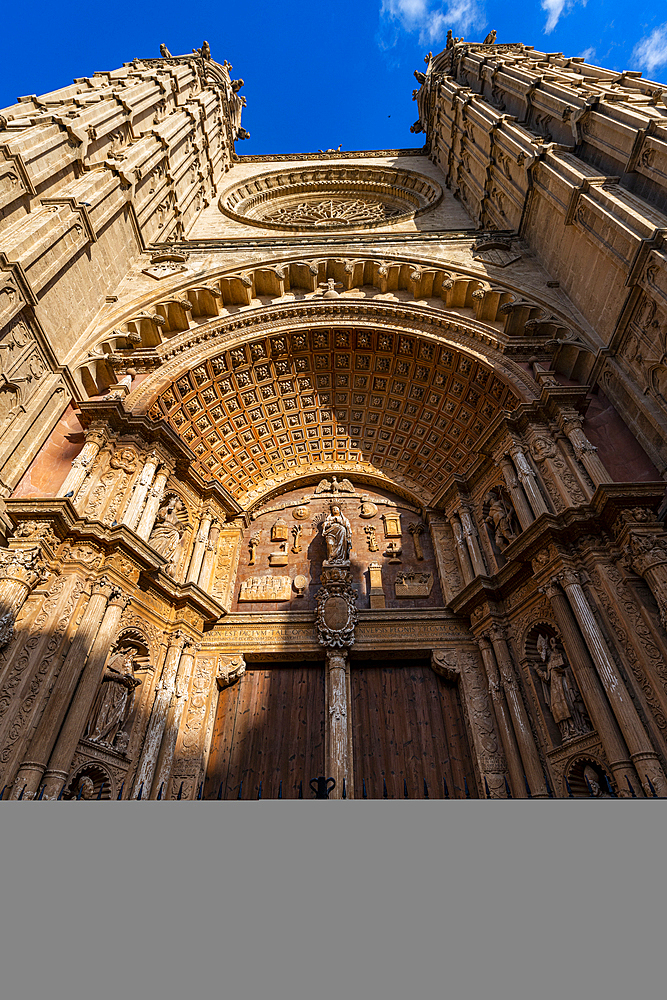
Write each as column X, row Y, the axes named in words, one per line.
column 158, row 720
column 179, row 700
column 521, row 505
column 31, row 770
column 153, row 501
column 199, row 548
column 503, row 720
column 592, row 692
column 461, row 549
column 642, row 754
column 528, row 481
column 472, row 541
column 95, row 438
column 571, row 423
column 61, row 758
column 208, row 562
column 133, row 509
column 522, row 730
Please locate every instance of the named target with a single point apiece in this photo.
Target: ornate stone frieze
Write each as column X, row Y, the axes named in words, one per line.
column 266, row 588
column 413, row 585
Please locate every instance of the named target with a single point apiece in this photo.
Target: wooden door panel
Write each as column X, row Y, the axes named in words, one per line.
column 408, row 725
column 269, row 727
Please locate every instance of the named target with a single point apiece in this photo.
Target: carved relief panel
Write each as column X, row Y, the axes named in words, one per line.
column 285, row 541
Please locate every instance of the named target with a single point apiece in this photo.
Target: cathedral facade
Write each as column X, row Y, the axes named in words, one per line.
column 339, row 473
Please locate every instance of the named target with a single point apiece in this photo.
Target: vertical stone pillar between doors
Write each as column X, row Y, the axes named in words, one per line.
column 338, row 724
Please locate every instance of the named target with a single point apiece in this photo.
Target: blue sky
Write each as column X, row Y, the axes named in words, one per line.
column 319, row 74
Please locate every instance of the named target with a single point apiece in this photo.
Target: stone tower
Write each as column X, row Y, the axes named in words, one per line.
column 344, row 466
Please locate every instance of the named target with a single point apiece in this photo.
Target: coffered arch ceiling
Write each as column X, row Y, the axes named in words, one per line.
column 371, row 400
column 389, row 369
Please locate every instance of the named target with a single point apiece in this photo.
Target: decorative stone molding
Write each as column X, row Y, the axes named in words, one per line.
column 266, row 588
column 340, row 197
column 229, row 670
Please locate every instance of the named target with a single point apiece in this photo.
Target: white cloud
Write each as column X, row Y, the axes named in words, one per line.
column 587, row 54
column 432, row 19
column 554, row 9
column 651, row 51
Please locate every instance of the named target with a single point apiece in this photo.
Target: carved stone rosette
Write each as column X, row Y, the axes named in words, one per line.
column 336, row 614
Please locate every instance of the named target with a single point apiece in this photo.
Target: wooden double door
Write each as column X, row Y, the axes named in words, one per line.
column 408, row 733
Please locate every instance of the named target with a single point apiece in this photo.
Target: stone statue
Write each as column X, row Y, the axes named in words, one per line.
column 500, row 519
column 114, row 700
column 85, row 789
column 490, row 38
column 560, row 693
column 164, row 51
column 169, row 528
column 338, row 536
column 593, row 783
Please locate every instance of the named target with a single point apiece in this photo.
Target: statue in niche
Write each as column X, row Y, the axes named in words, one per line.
column 115, row 698
column 500, row 519
column 338, row 536
column 594, row 783
column 85, row 789
column 561, row 695
column 170, row 526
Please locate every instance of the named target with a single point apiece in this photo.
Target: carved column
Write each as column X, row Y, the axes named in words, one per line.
column 594, row 697
column 95, row 438
column 179, row 700
column 446, row 559
column 461, row 549
column 20, row 571
column 642, row 754
column 522, row 730
column 521, row 505
column 648, row 557
column 199, row 547
column 472, row 541
column 61, row 758
column 33, row 767
column 153, row 500
column 486, row 747
column 338, row 737
column 133, row 509
column 156, row 725
column 571, row 423
column 528, row 481
column 503, row 720
column 208, row 562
